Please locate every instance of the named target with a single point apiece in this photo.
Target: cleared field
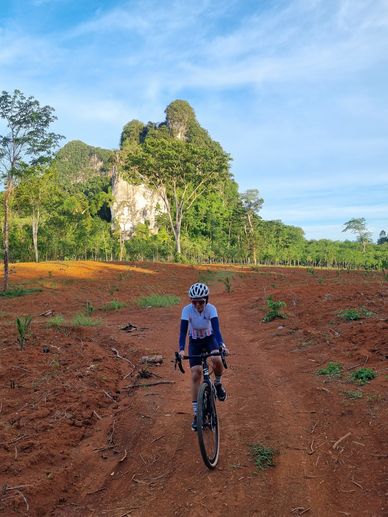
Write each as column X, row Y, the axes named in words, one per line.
column 77, row 439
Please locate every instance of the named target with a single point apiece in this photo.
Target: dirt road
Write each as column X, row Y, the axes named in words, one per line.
column 78, row 441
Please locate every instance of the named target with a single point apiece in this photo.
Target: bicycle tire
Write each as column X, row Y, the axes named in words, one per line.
column 208, row 426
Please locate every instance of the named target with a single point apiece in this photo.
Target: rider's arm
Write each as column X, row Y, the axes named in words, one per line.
column 216, row 330
column 182, row 334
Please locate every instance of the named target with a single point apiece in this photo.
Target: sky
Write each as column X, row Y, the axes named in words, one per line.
column 295, row 90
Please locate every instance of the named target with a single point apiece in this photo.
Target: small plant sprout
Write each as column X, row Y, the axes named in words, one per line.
column 262, row 456
column 228, row 284
column 332, row 370
column 363, row 375
column 274, row 310
column 89, row 309
column 23, row 325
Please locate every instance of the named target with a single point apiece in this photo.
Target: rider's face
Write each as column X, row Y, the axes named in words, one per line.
column 198, row 304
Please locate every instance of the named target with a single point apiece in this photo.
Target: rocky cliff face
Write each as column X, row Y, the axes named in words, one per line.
column 133, row 204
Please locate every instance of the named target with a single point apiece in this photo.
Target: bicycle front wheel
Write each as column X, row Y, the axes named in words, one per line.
column 208, row 426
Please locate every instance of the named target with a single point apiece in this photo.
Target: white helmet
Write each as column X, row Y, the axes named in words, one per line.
column 198, row 290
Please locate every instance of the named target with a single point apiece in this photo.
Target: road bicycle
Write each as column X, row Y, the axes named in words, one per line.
column 207, row 419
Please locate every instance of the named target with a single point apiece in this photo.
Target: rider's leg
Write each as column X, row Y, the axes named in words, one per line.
column 218, row 367
column 196, row 376
column 218, row 370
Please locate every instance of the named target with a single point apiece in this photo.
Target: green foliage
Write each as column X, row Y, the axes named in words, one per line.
column 227, row 284
column 23, row 327
column 56, row 321
column 19, row 291
column 262, row 456
column 355, row 314
column 83, row 320
column 353, row 395
column 363, row 375
column 113, row 305
column 158, row 300
column 89, row 309
column 332, row 370
column 78, row 162
column 275, row 310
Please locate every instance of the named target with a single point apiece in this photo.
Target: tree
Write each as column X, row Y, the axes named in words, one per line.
column 383, row 238
column 27, row 141
column 179, row 164
column 252, row 204
column 358, row 227
column 33, row 194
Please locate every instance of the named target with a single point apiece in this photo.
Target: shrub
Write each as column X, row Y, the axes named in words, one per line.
column 262, row 456
column 332, row 369
column 355, row 314
column 363, row 375
column 274, row 311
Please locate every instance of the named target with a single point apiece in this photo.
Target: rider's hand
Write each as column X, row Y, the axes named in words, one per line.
column 226, row 351
column 181, row 353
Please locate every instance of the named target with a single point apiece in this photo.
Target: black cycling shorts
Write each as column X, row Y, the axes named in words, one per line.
column 197, row 346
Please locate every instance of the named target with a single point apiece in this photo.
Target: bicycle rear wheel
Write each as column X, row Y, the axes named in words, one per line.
column 208, row 426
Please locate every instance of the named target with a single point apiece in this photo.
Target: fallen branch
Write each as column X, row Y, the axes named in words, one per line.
column 149, row 384
column 110, row 396
column 97, row 415
column 357, row 484
column 125, row 455
column 121, row 357
column 158, row 438
column 341, row 440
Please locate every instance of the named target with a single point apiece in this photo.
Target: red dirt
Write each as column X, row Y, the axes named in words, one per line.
column 76, row 441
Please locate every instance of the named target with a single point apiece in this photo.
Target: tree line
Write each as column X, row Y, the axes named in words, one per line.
column 56, row 205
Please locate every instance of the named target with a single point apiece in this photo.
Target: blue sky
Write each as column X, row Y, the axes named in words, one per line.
column 295, row 90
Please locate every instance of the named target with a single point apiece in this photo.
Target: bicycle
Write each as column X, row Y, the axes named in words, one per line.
column 207, row 419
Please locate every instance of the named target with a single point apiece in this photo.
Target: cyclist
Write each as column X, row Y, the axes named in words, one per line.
column 201, row 319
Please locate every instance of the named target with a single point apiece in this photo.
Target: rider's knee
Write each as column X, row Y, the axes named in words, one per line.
column 196, row 374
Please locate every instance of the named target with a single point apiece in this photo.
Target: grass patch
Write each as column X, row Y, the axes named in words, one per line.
column 355, row 314
column 363, row 375
column 332, row 370
column 113, row 305
column 262, row 456
column 83, row 320
column 158, row 300
column 353, row 395
column 19, row 291
column 208, row 276
column 56, row 321
column 274, row 310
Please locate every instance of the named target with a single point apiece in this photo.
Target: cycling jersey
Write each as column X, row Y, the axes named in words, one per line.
column 200, row 324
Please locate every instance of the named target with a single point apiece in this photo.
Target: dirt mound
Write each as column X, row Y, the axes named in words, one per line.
column 79, row 438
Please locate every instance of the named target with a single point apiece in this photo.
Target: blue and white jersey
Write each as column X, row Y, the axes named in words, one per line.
column 199, row 322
